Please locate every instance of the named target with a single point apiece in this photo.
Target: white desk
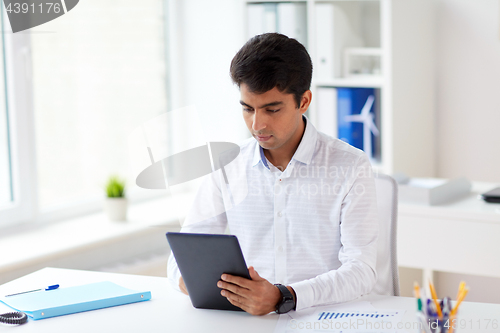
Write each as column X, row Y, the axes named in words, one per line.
column 457, row 237
column 171, row 311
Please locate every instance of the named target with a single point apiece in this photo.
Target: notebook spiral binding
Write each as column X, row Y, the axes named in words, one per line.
column 14, row 318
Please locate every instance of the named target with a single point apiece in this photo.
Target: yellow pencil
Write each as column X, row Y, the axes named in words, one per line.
column 460, row 288
column 434, row 297
column 459, row 300
column 416, row 288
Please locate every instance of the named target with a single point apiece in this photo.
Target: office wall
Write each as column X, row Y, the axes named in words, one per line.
column 468, row 86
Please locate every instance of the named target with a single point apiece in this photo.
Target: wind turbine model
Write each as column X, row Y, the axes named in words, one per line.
column 366, row 118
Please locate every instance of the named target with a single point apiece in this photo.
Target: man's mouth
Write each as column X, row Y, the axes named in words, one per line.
column 263, row 137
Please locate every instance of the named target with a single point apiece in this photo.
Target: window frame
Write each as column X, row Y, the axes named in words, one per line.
column 19, row 102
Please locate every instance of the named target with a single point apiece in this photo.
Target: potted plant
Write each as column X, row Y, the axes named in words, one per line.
column 116, row 203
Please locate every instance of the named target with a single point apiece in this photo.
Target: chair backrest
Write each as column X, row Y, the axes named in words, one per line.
column 387, row 262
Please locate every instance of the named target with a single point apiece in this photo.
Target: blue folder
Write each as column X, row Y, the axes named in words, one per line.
column 63, row 301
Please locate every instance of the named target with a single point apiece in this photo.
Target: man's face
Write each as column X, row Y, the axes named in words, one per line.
column 273, row 118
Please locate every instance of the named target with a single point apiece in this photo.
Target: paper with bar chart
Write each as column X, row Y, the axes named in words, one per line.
column 350, row 317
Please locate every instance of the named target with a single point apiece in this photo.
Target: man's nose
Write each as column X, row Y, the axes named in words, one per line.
column 259, row 121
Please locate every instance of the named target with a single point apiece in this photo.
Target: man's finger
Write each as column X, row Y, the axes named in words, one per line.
column 237, row 301
column 182, row 286
column 238, row 304
column 234, row 297
column 242, row 282
column 235, row 289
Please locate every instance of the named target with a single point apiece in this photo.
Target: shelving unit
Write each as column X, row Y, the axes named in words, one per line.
column 351, row 82
column 400, row 31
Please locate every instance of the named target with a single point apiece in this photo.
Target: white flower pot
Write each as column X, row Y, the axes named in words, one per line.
column 116, row 209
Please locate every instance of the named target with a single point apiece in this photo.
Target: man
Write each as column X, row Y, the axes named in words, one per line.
column 309, row 219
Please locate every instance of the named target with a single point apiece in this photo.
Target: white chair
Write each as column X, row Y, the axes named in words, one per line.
column 387, row 262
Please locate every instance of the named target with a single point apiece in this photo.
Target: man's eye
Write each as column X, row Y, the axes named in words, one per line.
column 247, row 109
column 273, row 111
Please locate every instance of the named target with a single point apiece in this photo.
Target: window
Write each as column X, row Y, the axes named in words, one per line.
column 93, row 76
column 6, row 191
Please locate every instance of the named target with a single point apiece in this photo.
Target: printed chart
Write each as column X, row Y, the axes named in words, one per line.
column 342, row 318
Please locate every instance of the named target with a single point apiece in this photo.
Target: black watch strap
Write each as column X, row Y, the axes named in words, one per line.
column 287, row 302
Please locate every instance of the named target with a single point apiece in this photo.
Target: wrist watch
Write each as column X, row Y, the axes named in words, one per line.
column 286, row 302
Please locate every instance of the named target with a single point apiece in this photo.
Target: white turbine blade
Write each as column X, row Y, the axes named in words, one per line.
column 367, row 141
column 368, row 105
column 373, row 127
column 355, row 118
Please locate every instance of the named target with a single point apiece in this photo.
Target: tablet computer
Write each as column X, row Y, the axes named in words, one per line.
column 202, row 259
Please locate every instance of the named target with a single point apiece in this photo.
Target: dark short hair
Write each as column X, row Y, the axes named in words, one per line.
column 273, row 60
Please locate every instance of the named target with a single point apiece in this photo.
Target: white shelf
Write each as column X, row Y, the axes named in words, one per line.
column 352, row 82
column 275, row 1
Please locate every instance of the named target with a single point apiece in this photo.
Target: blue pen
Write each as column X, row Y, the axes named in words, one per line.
column 55, row 286
column 432, row 316
column 429, row 309
column 446, row 321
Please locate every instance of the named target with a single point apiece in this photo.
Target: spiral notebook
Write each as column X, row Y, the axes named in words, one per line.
column 63, row 301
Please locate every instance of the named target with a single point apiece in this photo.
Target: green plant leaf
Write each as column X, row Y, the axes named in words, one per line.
column 115, row 187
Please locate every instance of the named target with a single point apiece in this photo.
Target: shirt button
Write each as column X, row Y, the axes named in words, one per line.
column 280, row 248
column 279, row 214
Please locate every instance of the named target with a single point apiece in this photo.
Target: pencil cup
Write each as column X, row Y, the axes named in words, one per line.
column 432, row 324
column 434, row 316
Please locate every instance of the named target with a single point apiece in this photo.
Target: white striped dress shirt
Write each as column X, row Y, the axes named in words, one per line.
column 313, row 226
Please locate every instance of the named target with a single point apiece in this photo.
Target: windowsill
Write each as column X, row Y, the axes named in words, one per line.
column 23, row 251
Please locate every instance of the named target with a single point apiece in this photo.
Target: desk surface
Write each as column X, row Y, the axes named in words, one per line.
column 171, row 311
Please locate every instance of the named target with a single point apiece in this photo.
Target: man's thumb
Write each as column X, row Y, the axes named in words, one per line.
column 253, row 273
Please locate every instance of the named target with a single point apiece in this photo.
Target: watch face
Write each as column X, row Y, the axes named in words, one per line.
column 287, row 303
column 286, row 306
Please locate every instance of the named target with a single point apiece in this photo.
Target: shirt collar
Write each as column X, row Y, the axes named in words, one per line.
column 304, row 152
column 258, row 156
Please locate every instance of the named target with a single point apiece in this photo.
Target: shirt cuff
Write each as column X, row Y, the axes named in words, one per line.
column 304, row 293
column 173, row 273
column 174, row 281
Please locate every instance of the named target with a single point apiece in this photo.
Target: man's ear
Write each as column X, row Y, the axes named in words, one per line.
column 305, row 101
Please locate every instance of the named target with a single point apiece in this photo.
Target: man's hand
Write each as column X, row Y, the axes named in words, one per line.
column 256, row 296
column 182, row 286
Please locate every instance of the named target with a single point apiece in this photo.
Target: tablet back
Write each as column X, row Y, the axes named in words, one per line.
column 202, row 259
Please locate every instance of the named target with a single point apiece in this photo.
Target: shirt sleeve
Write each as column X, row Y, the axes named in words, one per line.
column 207, row 215
column 358, row 253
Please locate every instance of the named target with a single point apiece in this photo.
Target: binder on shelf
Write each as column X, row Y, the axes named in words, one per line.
column 326, row 99
column 324, row 62
column 292, row 20
column 262, row 18
column 63, row 301
column 357, row 117
column 333, row 32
